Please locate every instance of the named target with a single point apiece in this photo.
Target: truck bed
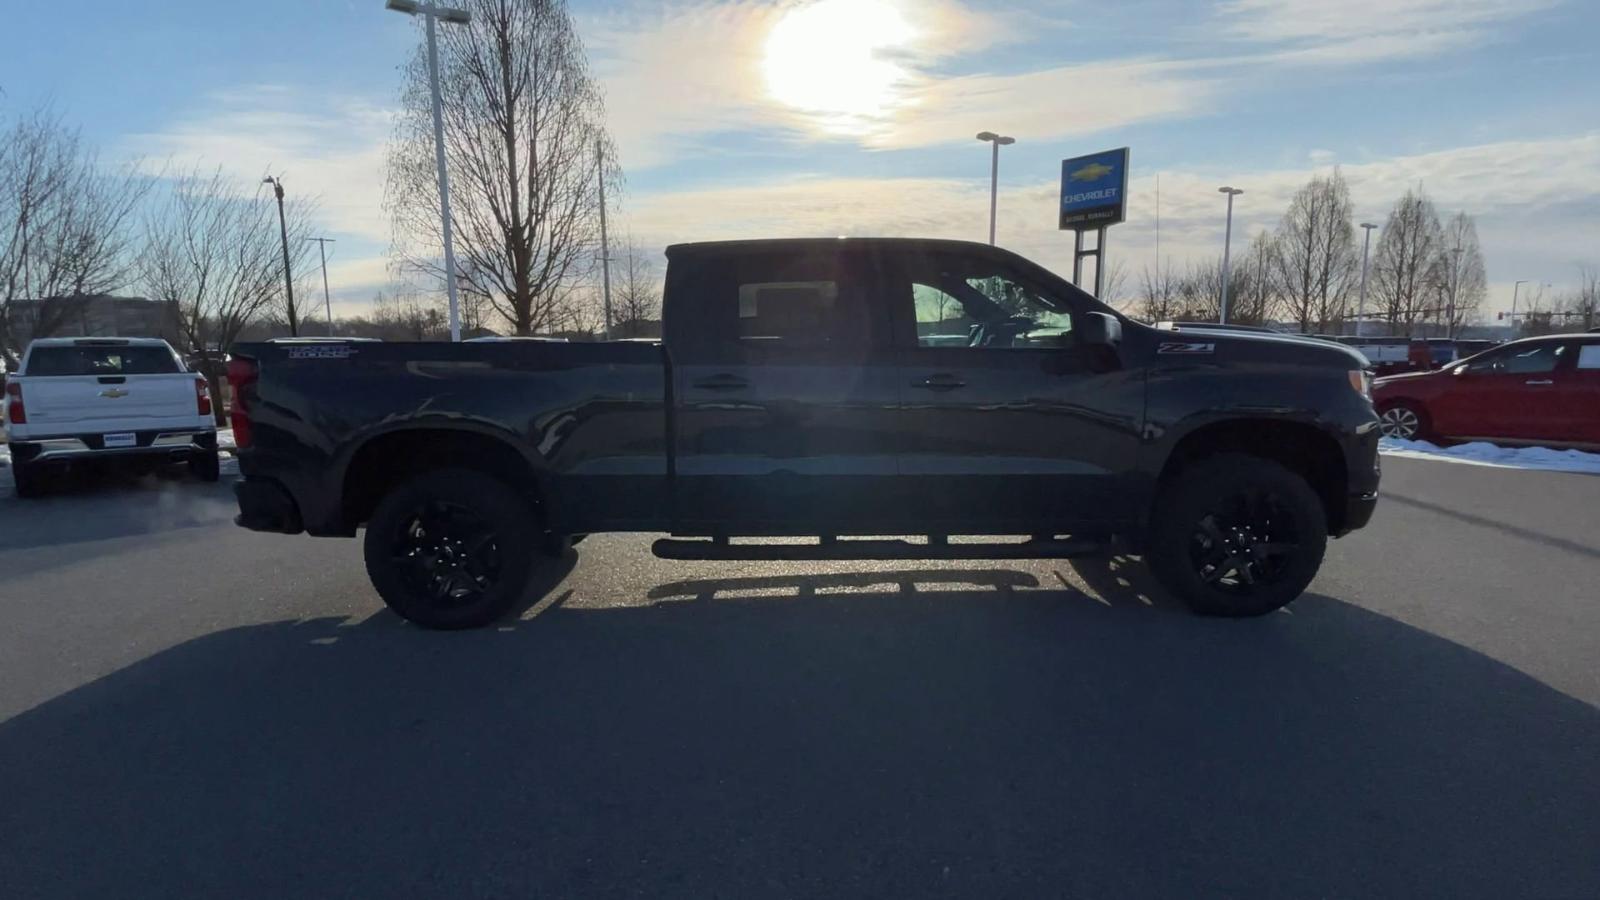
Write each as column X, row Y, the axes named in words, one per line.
column 591, row 419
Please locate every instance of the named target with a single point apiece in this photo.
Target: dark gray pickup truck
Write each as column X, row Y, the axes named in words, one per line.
column 830, row 389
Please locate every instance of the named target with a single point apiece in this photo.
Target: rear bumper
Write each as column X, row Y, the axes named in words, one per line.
column 264, row 505
column 174, row 445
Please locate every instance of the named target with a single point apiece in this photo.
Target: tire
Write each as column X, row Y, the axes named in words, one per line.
column 452, row 549
column 206, row 465
column 28, row 479
column 1237, row 535
column 1405, row 420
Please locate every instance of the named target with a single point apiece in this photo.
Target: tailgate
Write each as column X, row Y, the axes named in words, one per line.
column 88, row 403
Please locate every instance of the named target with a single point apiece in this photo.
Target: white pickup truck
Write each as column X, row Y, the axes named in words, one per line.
column 83, row 399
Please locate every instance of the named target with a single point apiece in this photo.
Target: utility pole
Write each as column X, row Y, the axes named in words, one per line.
column 327, row 304
column 1515, row 289
column 605, row 244
column 283, row 232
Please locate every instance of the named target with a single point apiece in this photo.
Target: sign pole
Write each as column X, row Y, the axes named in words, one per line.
column 1100, row 263
column 1077, row 257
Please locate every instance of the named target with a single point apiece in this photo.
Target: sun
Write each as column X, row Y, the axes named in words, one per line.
column 835, row 60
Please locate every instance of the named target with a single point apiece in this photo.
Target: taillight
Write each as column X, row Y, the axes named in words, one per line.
column 242, row 374
column 16, row 414
column 202, row 397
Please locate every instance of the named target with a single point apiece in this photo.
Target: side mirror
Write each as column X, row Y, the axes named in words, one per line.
column 1100, row 330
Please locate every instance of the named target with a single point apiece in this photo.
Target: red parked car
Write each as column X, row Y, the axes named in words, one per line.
column 1543, row 390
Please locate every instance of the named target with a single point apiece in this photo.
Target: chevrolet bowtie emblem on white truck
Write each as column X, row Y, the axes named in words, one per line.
column 114, row 393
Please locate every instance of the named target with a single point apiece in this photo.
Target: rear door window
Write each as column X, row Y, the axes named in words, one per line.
column 93, row 360
column 808, row 304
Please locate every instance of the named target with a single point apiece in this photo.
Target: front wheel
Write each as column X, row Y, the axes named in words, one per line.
column 1237, row 535
column 1403, row 420
column 452, row 549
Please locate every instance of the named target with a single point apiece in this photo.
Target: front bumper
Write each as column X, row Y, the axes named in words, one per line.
column 264, row 505
column 175, row 446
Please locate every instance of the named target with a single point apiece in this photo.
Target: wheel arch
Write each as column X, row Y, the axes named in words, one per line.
column 1301, row 447
column 384, row 460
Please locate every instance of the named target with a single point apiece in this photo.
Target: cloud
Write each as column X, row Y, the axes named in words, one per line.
column 1537, row 203
column 1320, row 20
column 679, row 79
column 324, row 147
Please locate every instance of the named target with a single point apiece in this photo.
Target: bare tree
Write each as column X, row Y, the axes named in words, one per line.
column 1581, row 307
column 212, row 251
column 1316, row 258
column 523, row 134
column 1404, row 266
column 1199, row 293
column 1157, row 300
column 637, row 294
column 403, row 316
column 1114, row 286
column 64, row 234
column 1462, row 283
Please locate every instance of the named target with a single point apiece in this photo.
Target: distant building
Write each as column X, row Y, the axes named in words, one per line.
column 100, row 315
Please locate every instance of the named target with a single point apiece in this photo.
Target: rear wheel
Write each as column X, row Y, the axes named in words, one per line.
column 27, row 478
column 1404, row 420
column 452, row 549
column 1237, row 535
column 205, row 465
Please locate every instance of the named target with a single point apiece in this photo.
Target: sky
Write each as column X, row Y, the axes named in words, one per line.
column 736, row 118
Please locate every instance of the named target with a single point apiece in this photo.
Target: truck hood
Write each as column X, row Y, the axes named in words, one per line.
column 1255, row 347
column 1404, row 376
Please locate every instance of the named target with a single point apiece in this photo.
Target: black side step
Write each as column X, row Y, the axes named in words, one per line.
column 1037, row 548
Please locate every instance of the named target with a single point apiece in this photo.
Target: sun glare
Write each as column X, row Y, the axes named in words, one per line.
column 834, row 59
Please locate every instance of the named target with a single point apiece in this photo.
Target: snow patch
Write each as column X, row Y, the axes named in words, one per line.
column 1480, row 453
column 5, row 456
column 225, row 439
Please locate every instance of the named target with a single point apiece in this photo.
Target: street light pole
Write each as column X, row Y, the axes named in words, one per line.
column 1455, row 284
column 1227, row 251
column 283, row 232
column 327, row 304
column 994, row 174
column 1514, row 291
column 434, row 12
column 1366, row 246
column 605, row 243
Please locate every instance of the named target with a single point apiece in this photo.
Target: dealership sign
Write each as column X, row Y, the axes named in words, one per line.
column 1094, row 190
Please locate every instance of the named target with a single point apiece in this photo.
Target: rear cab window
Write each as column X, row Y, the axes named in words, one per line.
column 750, row 306
column 100, row 360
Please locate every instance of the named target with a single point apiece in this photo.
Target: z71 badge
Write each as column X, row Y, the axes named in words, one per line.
column 1173, row 347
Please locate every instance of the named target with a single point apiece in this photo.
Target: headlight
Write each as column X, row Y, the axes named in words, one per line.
column 1361, row 382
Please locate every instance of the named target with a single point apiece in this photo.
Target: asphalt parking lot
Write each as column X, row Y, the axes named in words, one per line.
column 189, row 709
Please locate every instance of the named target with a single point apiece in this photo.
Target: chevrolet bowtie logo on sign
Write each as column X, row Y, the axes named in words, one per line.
column 114, row 393
column 1094, row 190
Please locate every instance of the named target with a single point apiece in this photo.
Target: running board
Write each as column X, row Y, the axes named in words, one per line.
column 722, row 549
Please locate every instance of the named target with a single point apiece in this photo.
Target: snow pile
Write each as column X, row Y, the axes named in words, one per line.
column 1480, row 453
column 225, row 440
column 5, row 456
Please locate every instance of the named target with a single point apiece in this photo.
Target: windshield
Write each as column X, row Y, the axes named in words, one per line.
column 92, row 360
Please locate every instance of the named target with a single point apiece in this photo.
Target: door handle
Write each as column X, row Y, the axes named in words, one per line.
column 940, row 382
column 1540, row 381
column 722, row 382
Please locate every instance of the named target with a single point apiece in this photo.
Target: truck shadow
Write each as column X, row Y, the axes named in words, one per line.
column 1005, row 737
